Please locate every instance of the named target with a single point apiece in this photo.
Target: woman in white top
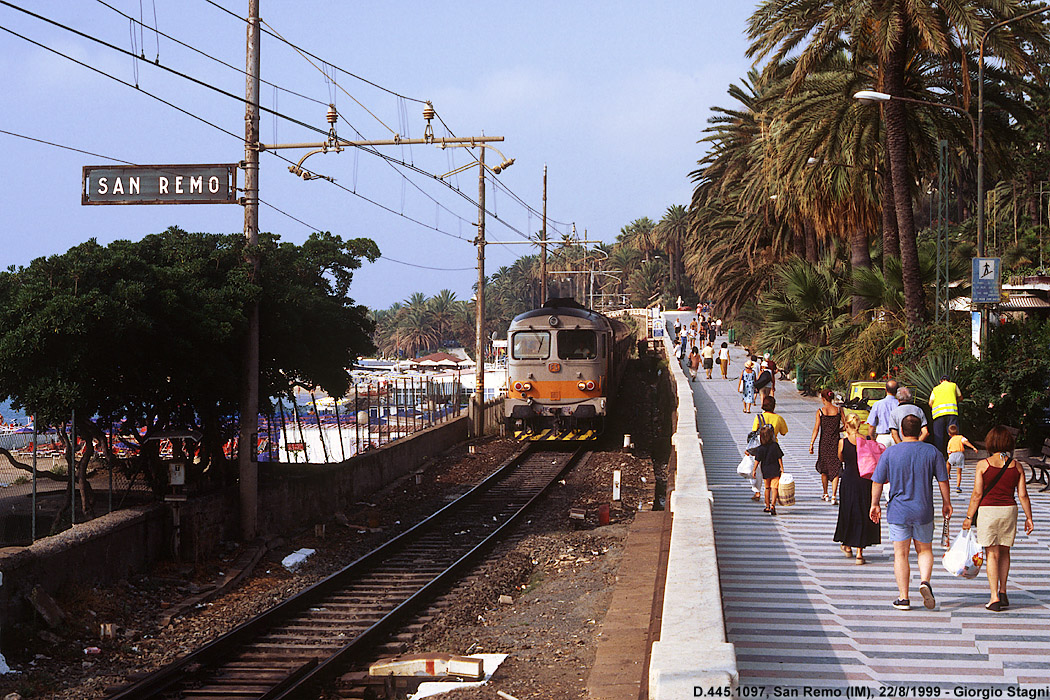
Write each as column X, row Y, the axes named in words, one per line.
column 723, row 360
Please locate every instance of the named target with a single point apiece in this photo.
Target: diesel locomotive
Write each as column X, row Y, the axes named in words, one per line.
column 563, row 369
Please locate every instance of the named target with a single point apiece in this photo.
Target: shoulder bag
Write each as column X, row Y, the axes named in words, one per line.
column 752, row 437
column 1006, row 465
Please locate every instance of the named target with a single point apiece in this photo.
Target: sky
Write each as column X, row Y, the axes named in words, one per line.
column 610, row 96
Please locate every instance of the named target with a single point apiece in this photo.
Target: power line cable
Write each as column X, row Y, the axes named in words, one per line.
column 304, row 51
column 202, row 83
column 209, row 56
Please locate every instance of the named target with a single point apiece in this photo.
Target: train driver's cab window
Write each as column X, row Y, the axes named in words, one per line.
column 531, row 345
column 577, row 345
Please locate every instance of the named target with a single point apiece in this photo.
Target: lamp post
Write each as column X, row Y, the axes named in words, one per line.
column 980, row 124
column 873, row 97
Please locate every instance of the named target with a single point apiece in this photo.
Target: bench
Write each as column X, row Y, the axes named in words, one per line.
column 1040, row 466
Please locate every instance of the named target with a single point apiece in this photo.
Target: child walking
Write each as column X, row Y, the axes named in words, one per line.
column 957, row 444
column 770, row 458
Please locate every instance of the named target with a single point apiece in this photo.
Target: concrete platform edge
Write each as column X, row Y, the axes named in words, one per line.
column 692, row 652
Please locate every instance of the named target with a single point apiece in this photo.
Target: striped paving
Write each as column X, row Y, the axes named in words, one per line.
column 802, row 615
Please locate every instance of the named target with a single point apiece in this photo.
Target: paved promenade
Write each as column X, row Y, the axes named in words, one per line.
column 802, row 614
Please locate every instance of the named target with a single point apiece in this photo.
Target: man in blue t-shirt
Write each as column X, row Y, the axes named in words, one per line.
column 910, row 468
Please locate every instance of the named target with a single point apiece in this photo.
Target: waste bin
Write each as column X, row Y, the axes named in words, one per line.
column 800, row 378
column 732, row 335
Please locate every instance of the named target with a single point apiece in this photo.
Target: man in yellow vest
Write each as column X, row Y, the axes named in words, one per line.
column 944, row 403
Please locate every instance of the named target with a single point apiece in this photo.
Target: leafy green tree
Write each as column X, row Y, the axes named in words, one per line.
column 150, row 334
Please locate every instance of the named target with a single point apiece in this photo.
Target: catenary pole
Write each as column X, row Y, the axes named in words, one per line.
column 543, row 237
column 479, row 342
column 247, row 466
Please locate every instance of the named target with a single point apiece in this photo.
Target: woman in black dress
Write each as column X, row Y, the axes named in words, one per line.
column 854, row 528
column 828, row 425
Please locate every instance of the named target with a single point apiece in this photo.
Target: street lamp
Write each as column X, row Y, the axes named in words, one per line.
column 980, row 123
column 871, row 97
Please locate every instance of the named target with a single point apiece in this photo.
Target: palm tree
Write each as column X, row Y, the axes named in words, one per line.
column 671, row 234
column 894, row 31
column 440, row 306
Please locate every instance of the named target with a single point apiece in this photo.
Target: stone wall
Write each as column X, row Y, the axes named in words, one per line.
column 291, row 497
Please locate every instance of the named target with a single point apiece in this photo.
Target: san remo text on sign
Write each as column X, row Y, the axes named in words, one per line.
column 160, row 184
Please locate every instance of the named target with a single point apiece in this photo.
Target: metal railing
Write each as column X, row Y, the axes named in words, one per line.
column 374, row 414
column 41, row 496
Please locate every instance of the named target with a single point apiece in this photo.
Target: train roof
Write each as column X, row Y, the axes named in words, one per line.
column 562, row 307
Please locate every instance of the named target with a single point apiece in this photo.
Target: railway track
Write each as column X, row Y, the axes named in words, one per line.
column 310, row 638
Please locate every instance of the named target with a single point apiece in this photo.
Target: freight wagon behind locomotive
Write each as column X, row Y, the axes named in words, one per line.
column 564, row 366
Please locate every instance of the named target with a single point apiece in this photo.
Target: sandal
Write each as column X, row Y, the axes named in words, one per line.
column 994, row 606
column 846, row 550
column 861, row 561
column 1004, row 600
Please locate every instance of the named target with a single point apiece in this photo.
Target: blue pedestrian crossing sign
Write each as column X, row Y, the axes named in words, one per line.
column 987, row 288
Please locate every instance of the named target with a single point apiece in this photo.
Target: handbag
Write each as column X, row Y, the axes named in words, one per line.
column 1006, row 465
column 752, row 437
column 745, row 466
column 868, row 453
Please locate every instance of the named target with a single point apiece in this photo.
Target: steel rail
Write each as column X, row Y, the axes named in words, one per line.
column 297, row 680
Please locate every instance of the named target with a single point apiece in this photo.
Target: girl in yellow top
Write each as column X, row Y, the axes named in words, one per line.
column 769, row 405
column 957, row 444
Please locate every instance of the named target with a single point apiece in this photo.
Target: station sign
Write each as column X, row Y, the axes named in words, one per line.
column 160, row 184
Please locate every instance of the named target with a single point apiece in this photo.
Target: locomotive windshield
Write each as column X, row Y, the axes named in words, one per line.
column 577, row 345
column 531, row 345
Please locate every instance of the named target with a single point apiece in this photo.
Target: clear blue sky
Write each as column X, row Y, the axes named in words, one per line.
column 611, row 96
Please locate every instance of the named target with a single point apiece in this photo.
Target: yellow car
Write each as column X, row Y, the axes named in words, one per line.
column 859, row 399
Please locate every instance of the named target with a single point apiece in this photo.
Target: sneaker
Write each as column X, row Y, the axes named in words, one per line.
column 902, row 604
column 927, row 595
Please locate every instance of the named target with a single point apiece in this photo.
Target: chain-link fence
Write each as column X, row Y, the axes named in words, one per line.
column 40, row 495
column 323, row 430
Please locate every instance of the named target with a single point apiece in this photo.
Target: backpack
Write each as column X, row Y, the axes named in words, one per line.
column 868, row 453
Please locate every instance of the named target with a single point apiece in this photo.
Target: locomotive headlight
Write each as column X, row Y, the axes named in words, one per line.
column 526, row 386
column 590, row 385
column 518, row 386
column 582, row 386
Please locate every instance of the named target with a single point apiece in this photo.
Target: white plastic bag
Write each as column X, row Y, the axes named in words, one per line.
column 965, row 556
column 745, row 466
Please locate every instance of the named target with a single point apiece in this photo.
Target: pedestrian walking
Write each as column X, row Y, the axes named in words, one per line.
column 768, row 363
column 828, row 425
column 957, row 444
column 723, row 360
column 694, row 363
column 770, row 457
column 677, row 329
column 718, row 325
column 769, row 415
column 746, row 385
column 764, row 383
column 854, row 528
column 880, row 418
column 944, row 407
column 992, row 504
column 909, row 467
column 708, row 354
column 906, row 407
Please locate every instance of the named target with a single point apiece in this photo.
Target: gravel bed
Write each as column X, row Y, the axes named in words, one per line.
column 558, row 572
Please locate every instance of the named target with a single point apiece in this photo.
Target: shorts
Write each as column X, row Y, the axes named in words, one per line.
column 884, row 439
column 709, row 362
column 956, row 459
column 996, row 525
column 920, row 533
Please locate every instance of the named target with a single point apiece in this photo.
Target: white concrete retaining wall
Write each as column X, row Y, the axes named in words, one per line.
column 692, row 652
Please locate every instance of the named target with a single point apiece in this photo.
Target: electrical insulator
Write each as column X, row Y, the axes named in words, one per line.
column 333, row 116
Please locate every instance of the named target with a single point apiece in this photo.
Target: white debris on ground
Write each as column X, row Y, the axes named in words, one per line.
column 4, row 668
column 431, row 688
column 294, row 560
